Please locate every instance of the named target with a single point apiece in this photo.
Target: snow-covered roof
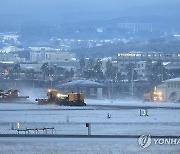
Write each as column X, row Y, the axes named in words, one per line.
column 166, row 63
column 82, row 83
column 173, row 65
column 141, row 62
column 6, row 62
column 173, row 80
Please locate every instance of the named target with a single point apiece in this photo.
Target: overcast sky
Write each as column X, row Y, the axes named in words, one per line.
column 55, row 8
column 72, row 5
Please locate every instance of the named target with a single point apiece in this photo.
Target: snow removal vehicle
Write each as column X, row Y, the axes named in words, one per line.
column 55, row 97
column 155, row 96
column 11, row 95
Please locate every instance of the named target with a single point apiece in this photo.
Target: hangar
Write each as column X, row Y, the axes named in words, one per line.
column 91, row 89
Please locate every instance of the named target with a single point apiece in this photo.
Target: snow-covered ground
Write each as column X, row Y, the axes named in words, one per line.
column 131, row 102
column 71, row 120
column 80, row 146
column 89, row 102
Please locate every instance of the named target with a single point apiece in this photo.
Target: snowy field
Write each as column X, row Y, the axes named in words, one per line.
column 130, row 102
column 164, row 119
column 80, row 146
column 71, row 120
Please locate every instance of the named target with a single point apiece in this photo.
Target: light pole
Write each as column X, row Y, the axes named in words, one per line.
column 132, row 82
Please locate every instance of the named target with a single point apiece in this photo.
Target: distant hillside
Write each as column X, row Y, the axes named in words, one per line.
column 41, row 20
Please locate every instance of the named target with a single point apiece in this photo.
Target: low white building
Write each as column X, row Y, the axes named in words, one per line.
column 171, row 90
column 31, row 66
column 11, row 57
column 56, row 57
column 104, row 61
column 11, row 49
column 51, row 56
column 141, row 68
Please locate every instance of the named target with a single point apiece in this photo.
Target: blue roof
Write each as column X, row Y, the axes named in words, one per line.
column 25, row 46
column 1, row 46
column 82, row 83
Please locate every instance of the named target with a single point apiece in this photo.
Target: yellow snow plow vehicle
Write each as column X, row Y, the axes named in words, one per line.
column 55, row 97
column 156, row 96
column 11, row 95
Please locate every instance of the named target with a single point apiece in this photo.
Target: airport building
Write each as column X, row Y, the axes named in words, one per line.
column 134, row 57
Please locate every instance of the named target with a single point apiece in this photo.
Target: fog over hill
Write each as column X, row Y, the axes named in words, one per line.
column 60, row 11
column 41, row 20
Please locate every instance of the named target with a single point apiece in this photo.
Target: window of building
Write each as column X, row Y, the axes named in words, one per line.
column 171, row 85
column 93, row 91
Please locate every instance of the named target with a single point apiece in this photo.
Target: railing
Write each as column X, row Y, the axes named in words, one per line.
column 36, row 130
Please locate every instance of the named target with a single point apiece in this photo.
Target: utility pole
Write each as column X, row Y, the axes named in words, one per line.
column 132, row 82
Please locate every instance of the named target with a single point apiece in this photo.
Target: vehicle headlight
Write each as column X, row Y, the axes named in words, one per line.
column 49, row 90
column 58, row 95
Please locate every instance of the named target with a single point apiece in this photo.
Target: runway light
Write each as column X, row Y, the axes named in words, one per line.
column 18, row 125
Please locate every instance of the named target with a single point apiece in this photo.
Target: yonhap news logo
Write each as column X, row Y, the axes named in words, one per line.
column 145, row 141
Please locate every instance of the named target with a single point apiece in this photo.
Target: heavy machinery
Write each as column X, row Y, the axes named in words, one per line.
column 11, row 95
column 55, row 97
column 155, row 96
column 2, row 94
